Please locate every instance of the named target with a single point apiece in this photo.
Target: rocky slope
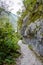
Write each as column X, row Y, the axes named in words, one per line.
column 33, row 35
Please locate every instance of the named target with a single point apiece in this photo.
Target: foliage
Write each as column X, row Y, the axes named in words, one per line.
column 8, row 37
column 35, row 10
column 8, row 43
column 29, row 4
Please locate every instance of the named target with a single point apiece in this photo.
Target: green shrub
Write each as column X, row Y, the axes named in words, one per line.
column 8, row 44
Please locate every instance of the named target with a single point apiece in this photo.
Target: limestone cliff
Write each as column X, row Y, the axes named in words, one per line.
column 33, row 35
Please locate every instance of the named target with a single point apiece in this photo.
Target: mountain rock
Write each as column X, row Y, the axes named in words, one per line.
column 33, row 35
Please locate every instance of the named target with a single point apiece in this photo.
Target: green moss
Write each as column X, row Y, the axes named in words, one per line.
column 30, row 47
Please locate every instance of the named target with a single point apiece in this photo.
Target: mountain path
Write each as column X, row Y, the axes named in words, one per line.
column 29, row 57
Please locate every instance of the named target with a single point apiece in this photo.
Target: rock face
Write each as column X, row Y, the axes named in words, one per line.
column 33, row 35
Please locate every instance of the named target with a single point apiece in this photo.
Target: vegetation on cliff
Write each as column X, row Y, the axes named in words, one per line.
column 35, row 10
